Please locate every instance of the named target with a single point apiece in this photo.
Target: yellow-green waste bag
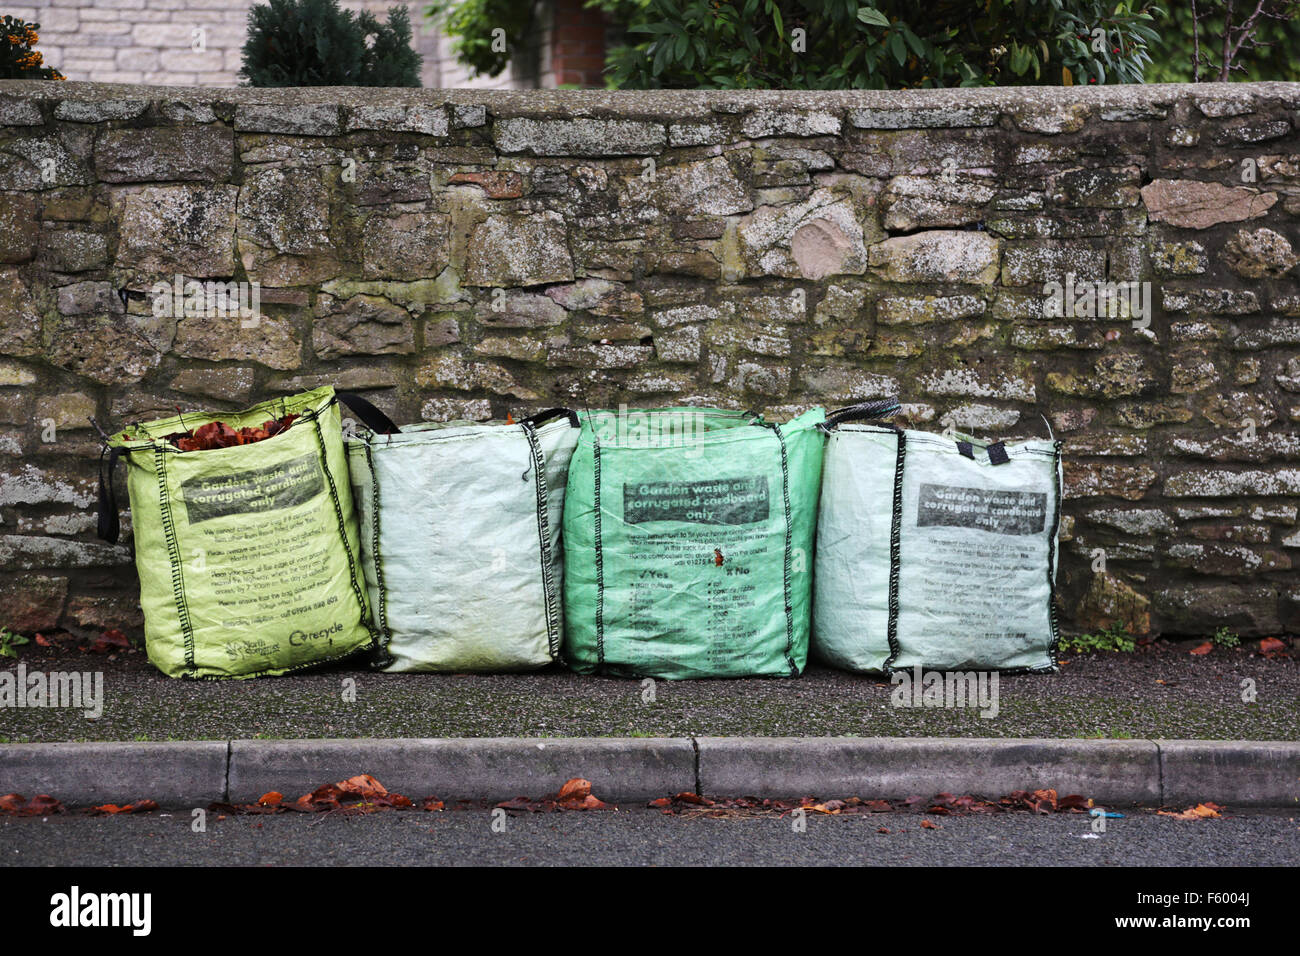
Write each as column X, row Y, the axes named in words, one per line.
column 688, row 537
column 460, row 527
column 248, row 555
column 935, row 551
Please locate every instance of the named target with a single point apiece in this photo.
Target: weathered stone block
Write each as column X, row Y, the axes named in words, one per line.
column 227, row 383
column 520, row 251
column 920, row 202
column 765, row 123
column 1189, row 204
column 938, row 256
column 165, row 153
column 1040, row 262
column 578, row 137
column 20, row 228
column 1260, row 254
column 1110, row 601
column 915, row 310
column 169, row 230
column 32, row 602
column 317, row 119
column 405, row 244
column 268, row 340
column 812, row 239
column 361, row 325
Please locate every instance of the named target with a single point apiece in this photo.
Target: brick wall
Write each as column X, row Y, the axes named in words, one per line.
column 469, row 254
column 152, row 41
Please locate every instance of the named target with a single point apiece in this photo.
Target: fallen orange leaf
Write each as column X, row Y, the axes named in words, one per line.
column 362, row 785
column 1200, row 649
column 1271, row 647
column 575, row 789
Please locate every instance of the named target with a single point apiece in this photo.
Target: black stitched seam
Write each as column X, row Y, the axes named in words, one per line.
column 343, row 530
column 1054, row 529
column 544, row 539
column 174, row 556
column 600, row 563
column 382, row 658
column 280, row 671
column 895, row 537
column 789, row 535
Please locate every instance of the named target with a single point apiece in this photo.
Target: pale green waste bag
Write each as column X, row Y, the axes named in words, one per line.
column 688, row 540
column 460, row 527
column 935, row 552
column 248, row 555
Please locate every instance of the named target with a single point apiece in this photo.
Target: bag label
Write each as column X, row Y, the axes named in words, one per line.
column 985, row 509
column 718, row 501
column 273, row 488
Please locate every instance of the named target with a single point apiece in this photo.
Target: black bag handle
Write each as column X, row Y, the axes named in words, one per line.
column 550, row 413
column 863, row 411
column 109, row 525
column 370, row 416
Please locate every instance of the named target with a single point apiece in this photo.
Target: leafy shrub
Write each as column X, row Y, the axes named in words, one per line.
column 10, row 642
column 471, row 26
column 315, row 43
column 18, row 59
column 886, row 44
column 1225, row 638
column 1115, row 637
column 836, row 44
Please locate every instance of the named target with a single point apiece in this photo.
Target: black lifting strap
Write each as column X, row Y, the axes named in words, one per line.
column 110, row 525
column 863, row 411
column 998, row 454
column 370, row 416
column 551, row 413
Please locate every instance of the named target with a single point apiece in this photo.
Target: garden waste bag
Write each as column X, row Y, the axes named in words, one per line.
column 460, row 525
column 688, row 540
column 934, row 551
column 245, row 538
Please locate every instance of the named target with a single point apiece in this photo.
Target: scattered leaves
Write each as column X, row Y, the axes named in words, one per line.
column 941, row 804
column 15, row 804
column 574, row 795
column 1202, row 811
column 140, row 806
column 1271, row 647
column 1201, row 649
column 109, row 642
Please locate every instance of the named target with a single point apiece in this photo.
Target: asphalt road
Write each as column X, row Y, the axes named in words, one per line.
column 1157, row 691
column 646, row 837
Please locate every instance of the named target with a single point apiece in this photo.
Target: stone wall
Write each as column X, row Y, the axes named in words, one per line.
column 470, row 254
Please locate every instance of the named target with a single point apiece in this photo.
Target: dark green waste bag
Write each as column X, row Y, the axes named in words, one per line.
column 248, row 555
column 688, row 538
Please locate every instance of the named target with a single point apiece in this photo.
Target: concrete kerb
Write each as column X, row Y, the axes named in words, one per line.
column 190, row 773
column 473, row 768
column 196, row 773
column 1113, row 771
